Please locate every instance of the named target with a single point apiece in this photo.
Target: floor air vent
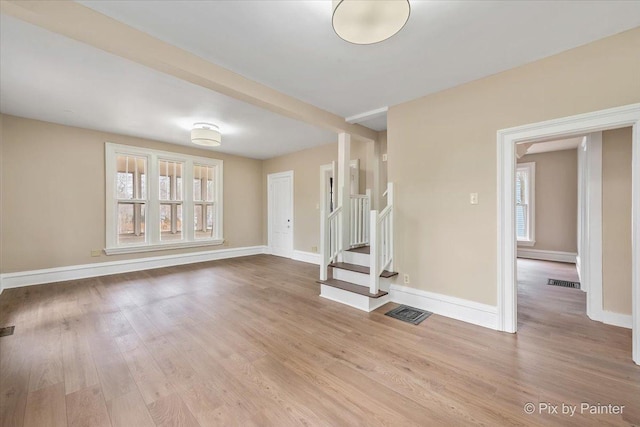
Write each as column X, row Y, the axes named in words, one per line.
column 563, row 283
column 8, row 330
column 408, row 314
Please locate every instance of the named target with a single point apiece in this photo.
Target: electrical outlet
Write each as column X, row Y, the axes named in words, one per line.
column 406, row 279
column 473, row 198
column 96, row 252
column 314, row 249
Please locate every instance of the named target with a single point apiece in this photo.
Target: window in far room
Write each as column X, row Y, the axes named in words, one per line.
column 525, row 203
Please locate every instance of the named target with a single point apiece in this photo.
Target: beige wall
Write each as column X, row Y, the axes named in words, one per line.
column 616, row 220
column 556, row 188
column 53, row 188
column 305, row 165
column 382, row 140
column 363, row 151
column 306, row 192
column 444, row 147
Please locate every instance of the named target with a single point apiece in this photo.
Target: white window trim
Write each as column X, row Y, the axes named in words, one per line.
column 530, row 167
column 152, row 235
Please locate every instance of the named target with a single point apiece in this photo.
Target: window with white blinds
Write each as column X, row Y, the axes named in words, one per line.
column 525, row 199
column 150, row 206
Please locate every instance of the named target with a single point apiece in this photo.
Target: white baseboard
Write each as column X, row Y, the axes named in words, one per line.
column 74, row 272
column 444, row 305
column 361, row 302
column 557, row 256
column 310, row 257
column 616, row 319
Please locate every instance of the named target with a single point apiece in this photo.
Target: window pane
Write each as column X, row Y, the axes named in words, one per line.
column 131, row 221
column 165, row 188
column 197, row 218
column 170, row 180
column 210, row 190
column 179, row 219
column 203, row 185
column 130, row 177
column 521, row 222
column 203, row 221
column 143, row 186
column 197, row 189
column 170, row 221
column 210, row 217
column 124, row 185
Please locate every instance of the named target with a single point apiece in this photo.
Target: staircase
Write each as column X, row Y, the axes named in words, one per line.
column 351, row 273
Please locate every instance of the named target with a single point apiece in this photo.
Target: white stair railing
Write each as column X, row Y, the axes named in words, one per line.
column 359, row 219
column 330, row 232
column 381, row 242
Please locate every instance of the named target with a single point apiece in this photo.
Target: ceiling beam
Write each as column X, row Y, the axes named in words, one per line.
column 85, row 25
column 368, row 115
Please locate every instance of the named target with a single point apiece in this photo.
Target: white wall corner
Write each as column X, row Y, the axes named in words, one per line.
column 310, row 257
column 75, row 272
column 456, row 308
column 558, row 256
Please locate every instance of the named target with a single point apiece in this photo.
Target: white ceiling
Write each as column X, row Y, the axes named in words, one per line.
column 49, row 77
column 558, row 145
column 290, row 45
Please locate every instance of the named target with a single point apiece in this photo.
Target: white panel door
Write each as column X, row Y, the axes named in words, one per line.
column 281, row 214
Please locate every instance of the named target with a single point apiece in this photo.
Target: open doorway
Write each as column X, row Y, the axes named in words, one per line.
column 589, row 123
column 328, row 183
column 547, row 228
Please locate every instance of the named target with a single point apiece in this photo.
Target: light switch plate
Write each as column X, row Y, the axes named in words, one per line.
column 384, row 157
column 473, row 198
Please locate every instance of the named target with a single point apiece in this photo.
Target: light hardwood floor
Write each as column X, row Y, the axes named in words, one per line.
column 248, row 341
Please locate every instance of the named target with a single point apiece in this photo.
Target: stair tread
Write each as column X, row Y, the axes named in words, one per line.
column 361, row 250
column 360, row 269
column 351, row 287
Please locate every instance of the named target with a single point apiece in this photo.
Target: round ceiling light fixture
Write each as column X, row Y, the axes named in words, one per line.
column 369, row 21
column 206, row 134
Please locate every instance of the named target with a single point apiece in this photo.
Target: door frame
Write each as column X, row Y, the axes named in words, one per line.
column 270, row 178
column 613, row 118
column 332, row 168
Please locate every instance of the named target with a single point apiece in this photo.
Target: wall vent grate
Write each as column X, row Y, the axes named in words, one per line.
column 408, row 314
column 6, row 331
column 563, row 283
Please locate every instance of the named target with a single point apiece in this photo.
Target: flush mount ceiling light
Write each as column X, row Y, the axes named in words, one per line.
column 206, row 134
column 369, row 21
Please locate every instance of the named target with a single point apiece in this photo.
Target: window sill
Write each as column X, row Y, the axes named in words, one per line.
column 161, row 247
column 526, row 242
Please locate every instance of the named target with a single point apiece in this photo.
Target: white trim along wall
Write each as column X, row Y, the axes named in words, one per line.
column 456, row 308
column 543, row 255
column 614, row 118
column 75, row 272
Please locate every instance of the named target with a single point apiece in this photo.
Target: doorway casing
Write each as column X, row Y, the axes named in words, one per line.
column 613, row 118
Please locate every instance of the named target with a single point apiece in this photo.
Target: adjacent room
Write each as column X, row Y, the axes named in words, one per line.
column 346, row 212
